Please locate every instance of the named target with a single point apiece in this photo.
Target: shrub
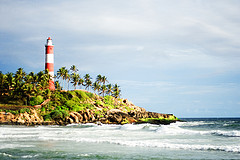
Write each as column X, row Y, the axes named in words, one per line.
column 89, row 94
column 82, row 95
column 108, row 100
column 64, row 113
column 79, row 107
column 99, row 103
column 12, row 111
column 76, row 99
column 47, row 117
column 36, row 100
column 70, row 104
column 23, row 110
column 56, row 114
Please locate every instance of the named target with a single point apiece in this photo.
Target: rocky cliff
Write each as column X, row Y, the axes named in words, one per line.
column 99, row 115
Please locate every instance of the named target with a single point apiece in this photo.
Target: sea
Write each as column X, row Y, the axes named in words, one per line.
column 202, row 138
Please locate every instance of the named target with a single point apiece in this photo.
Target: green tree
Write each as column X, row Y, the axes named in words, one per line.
column 88, row 84
column 19, row 81
column 103, row 90
column 87, row 81
column 10, row 82
column 116, row 91
column 96, row 87
column 2, row 83
column 104, row 80
column 57, row 85
column 81, row 82
column 109, row 89
column 63, row 74
column 75, row 79
column 68, row 78
column 74, row 69
column 99, row 79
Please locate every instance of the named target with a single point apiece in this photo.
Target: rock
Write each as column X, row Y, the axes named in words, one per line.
column 131, row 120
column 26, row 116
column 9, row 117
column 85, row 117
column 117, row 111
column 2, row 116
column 116, row 118
column 103, row 120
column 70, row 120
column 80, row 118
column 74, row 117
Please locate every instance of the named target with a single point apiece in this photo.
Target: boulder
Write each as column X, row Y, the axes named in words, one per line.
column 70, row 120
column 74, row 117
column 9, row 117
column 116, row 118
column 80, row 117
column 117, row 111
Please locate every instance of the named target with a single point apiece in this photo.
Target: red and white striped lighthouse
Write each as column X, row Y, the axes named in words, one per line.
column 49, row 62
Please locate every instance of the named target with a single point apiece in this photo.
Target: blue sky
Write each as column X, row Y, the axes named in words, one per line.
column 178, row 57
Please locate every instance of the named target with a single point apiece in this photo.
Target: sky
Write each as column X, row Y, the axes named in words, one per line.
column 179, row 57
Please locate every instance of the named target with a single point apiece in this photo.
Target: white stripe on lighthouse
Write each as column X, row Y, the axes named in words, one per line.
column 49, row 58
column 51, row 74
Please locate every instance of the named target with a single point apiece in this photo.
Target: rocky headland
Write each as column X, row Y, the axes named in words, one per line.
column 99, row 110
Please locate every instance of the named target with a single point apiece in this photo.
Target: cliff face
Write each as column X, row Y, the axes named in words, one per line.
column 98, row 115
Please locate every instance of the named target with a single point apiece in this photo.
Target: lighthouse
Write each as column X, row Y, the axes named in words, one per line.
column 49, row 62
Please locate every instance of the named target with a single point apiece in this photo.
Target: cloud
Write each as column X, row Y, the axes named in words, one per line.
column 157, row 50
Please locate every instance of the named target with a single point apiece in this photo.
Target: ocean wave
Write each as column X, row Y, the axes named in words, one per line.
column 30, row 156
column 4, row 146
column 196, row 123
column 226, row 133
column 154, row 144
column 6, row 155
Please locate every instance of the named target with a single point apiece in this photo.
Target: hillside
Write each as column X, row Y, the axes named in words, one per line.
column 79, row 106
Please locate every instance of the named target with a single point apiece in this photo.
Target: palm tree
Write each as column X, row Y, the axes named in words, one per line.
column 116, row 91
column 74, row 69
column 75, row 79
column 20, row 74
column 81, row 82
column 99, row 79
column 87, row 80
column 19, row 77
column 28, row 91
column 87, row 77
column 63, row 74
column 109, row 89
column 68, row 78
column 2, row 83
column 103, row 89
column 10, row 82
column 60, row 73
column 57, row 85
column 88, row 83
column 96, row 87
column 29, row 78
column 104, row 80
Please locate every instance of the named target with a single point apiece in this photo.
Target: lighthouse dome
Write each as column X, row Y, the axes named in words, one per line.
column 49, row 42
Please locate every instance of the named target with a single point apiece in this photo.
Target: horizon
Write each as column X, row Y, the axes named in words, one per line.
column 168, row 57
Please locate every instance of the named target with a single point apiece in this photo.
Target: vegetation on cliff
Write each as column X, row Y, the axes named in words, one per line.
column 26, row 99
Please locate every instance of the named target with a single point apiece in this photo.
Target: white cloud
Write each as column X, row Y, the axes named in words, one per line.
column 166, row 46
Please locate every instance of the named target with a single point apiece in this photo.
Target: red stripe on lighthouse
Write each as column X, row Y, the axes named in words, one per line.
column 49, row 62
column 50, row 67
